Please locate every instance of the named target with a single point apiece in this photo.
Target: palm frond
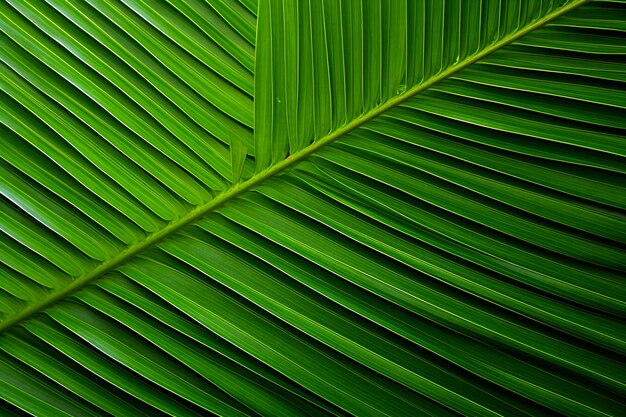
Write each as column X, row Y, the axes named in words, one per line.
column 429, row 218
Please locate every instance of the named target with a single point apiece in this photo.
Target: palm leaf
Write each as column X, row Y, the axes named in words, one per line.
column 313, row 207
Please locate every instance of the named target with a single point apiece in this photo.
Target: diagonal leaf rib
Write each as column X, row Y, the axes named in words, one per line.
column 275, row 169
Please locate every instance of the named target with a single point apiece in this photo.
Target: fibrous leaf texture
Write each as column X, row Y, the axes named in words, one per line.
column 313, row 207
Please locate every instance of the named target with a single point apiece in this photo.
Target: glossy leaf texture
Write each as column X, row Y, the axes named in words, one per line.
column 327, row 64
column 117, row 122
column 457, row 249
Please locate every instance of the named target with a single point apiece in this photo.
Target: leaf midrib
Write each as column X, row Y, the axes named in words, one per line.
column 273, row 170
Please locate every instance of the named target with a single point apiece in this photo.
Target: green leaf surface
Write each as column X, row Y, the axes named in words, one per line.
column 360, row 207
